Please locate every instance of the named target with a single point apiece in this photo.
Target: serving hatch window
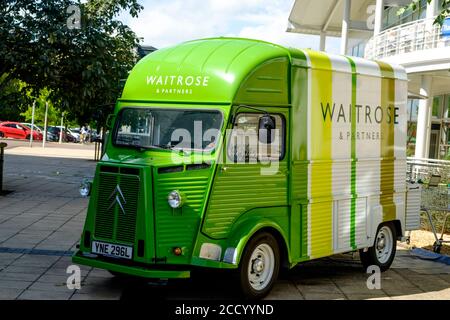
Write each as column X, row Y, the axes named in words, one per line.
column 245, row 145
column 168, row 128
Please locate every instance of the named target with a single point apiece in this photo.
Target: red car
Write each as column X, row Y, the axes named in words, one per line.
column 17, row 131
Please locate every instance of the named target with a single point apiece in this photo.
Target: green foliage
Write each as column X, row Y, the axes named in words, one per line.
column 53, row 115
column 81, row 68
column 14, row 98
column 415, row 4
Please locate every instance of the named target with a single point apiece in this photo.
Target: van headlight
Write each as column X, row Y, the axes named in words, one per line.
column 85, row 188
column 175, row 199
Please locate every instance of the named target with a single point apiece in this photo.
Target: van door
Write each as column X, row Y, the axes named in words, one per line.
column 253, row 177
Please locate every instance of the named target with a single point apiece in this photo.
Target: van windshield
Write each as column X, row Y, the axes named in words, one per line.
column 168, row 128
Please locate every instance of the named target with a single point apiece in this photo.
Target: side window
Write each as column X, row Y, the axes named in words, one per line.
column 244, row 145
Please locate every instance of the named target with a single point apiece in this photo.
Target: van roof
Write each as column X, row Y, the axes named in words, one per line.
column 212, row 70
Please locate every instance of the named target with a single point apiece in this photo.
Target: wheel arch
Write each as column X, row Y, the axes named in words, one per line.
column 397, row 226
column 398, row 229
column 282, row 245
column 246, row 232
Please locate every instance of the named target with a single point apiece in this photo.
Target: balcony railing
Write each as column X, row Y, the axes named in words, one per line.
column 409, row 37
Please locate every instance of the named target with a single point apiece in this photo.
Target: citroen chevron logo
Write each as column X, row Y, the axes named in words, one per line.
column 117, row 198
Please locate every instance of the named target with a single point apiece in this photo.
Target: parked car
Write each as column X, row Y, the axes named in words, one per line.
column 54, row 134
column 75, row 132
column 51, row 136
column 35, row 127
column 67, row 136
column 16, row 130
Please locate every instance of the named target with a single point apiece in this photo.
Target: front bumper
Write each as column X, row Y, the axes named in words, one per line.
column 131, row 270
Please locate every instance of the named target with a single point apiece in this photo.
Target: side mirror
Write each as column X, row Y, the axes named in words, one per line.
column 266, row 125
column 110, row 121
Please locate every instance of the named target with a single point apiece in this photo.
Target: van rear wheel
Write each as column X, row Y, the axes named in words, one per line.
column 383, row 251
column 259, row 267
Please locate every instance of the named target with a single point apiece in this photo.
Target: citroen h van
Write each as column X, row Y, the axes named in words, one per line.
column 178, row 188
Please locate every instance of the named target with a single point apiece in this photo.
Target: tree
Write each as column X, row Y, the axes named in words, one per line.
column 82, row 67
column 445, row 10
column 53, row 116
column 14, row 98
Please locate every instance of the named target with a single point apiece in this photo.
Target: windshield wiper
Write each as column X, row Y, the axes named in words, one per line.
column 164, row 146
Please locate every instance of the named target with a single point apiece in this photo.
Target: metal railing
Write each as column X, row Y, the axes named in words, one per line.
column 423, row 169
column 409, row 37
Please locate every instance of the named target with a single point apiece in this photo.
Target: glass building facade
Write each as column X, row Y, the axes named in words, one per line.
column 440, row 127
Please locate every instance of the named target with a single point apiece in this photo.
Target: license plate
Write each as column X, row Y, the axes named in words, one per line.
column 112, row 250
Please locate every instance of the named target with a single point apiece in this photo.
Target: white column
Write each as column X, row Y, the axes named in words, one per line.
column 44, row 138
column 323, row 40
column 424, row 119
column 32, row 123
column 61, row 129
column 345, row 26
column 379, row 8
column 432, row 9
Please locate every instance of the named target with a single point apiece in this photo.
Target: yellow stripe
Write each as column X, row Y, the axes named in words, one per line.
column 321, row 142
column 387, row 143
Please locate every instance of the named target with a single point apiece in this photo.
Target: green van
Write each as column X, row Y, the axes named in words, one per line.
column 247, row 156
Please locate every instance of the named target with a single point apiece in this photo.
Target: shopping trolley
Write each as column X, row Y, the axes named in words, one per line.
column 435, row 197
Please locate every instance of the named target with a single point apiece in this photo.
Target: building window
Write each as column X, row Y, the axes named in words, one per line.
column 359, row 49
column 392, row 19
column 244, row 145
column 413, row 110
column 437, row 107
column 447, row 106
column 411, row 142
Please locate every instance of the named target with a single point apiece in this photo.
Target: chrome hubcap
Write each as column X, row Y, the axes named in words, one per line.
column 258, row 266
column 384, row 244
column 261, row 267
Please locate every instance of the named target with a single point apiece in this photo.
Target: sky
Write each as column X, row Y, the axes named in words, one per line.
column 165, row 23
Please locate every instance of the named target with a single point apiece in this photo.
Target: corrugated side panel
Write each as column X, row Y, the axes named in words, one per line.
column 343, row 223
column 343, row 219
column 412, row 220
column 178, row 227
column 361, row 222
column 241, row 188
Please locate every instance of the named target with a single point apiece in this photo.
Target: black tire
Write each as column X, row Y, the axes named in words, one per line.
column 27, row 137
column 2, row 134
column 125, row 276
column 370, row 257
column 261, row 240
column 117, row 274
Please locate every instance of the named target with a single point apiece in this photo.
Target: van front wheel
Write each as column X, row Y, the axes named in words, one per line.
column 383, row 252
column 259, row 267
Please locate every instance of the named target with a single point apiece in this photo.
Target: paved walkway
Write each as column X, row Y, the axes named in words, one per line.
column 42, row 220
